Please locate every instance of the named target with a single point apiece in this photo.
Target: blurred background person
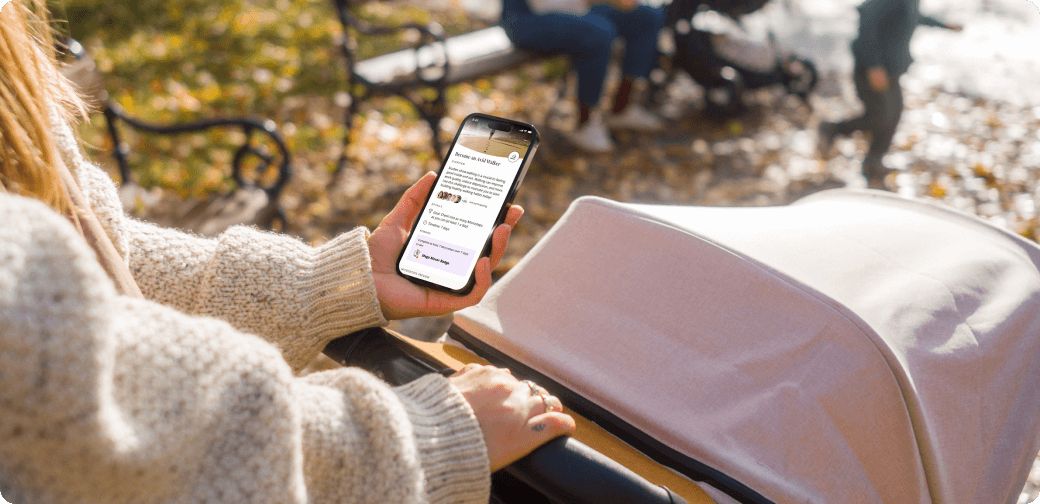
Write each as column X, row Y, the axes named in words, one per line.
column 881, row 52
column 587, row 35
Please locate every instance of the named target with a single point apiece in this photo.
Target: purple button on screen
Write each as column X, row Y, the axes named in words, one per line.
column 440, row 255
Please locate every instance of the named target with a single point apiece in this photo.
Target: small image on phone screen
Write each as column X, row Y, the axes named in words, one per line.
column 479, row 177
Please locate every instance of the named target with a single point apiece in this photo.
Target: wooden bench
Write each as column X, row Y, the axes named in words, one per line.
column 255, row 196
column 434, row 62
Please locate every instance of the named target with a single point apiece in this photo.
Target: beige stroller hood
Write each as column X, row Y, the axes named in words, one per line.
column 852, row 347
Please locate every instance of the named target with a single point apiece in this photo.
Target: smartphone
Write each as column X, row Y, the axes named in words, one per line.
column 486, row 162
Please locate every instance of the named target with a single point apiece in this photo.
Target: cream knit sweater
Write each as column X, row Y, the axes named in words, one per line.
column 107, row 399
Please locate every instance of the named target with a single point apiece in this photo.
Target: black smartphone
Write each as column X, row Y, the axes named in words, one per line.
column 478, row 180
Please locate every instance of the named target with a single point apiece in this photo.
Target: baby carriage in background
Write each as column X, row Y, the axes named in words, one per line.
column 853, row 347
column 711, row 46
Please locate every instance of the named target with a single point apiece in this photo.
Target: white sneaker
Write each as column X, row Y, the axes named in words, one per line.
column 592, row 137
column 635, row 117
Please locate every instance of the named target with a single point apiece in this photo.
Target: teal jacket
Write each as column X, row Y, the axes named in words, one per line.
column 885, row 28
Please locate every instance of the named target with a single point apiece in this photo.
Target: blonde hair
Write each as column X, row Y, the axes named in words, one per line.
column 31, row 89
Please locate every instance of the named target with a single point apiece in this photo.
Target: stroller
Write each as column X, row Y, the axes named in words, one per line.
column 725, row 61
column 853, row 347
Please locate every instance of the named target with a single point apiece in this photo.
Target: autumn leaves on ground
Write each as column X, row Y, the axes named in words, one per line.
column 189, row 59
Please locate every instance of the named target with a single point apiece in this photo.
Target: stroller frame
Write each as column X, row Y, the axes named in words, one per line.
column 725, row 80
column 605, row 461
column 849, row 347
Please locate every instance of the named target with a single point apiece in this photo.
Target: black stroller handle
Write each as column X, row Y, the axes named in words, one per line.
column 569, row 471
column 564, row 469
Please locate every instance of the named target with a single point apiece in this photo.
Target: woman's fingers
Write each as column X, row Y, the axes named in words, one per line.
column 515, row 416
column 500, row 238
column 538, row 430
column 513, row 215
column 551, row 425
column 498, row 244
column 468, row 368
column 543, row 402
column 482, row 277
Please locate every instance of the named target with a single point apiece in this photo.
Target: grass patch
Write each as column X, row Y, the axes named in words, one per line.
column 174, row 61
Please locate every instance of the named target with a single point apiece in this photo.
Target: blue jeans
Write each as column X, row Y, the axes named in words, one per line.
column 589, row 39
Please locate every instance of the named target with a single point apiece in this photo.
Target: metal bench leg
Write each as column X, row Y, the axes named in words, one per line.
column 119, row 148
column 432, row 112
column 562, row 91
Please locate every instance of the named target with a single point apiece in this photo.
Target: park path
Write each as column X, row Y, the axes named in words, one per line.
column 997, row 56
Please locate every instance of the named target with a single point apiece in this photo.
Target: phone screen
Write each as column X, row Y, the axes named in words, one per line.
column 479, row 174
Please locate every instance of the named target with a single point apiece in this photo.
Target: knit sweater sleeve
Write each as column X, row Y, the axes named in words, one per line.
column 108, row 399
column 294, row 295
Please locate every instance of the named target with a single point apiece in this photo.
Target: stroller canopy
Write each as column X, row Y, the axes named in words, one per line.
column 851, row 347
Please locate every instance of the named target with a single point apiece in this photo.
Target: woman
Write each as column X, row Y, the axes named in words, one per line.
column 587, row 35
column 189, row 395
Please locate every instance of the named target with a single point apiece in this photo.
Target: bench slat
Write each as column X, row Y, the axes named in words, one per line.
column 469, row 55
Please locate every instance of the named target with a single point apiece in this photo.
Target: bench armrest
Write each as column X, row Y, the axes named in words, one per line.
column 273, row 170
column 280, row 161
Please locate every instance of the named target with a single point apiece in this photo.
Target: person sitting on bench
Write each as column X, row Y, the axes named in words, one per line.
column 587, row 35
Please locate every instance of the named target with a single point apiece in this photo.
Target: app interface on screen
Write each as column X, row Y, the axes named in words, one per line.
column 466, row 199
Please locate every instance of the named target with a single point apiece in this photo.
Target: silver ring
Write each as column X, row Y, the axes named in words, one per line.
column 549, row 408
column 533, row 386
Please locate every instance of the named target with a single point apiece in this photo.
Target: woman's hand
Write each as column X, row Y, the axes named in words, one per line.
column 399, row 298
column 877, row 77
column 516, row 417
